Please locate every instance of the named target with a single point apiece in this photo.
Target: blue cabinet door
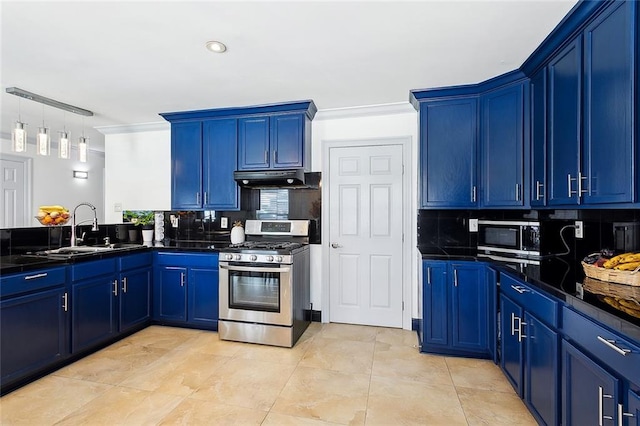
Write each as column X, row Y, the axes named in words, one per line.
column 186, row 165
column 608, row 153
column 541, row 373
column 220, row 158
column 538, row 87
column 170, row 293
column 503, row 147
column 435, row 310
column 203, row 297
column 135, row 298
column 588, row 391
column 469, row 305
column 448, row 146
column 511, row 349
column 253, row 143
column 287, row 141
column 633, row 408
column 565, row 80
column 94, row 317
column 34, row 333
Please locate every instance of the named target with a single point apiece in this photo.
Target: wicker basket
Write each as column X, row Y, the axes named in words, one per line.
column 612, row 275
column 621, row 297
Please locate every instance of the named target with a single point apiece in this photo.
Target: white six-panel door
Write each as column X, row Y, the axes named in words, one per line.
column 366, row 256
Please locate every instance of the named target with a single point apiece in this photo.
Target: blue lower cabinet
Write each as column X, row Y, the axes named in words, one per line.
column 456, row 300
column 542, row 384
column 34, row 333
column 511, row 349
column 135, row 298
column 185, row 289
column 590, row 393
column 632, row 413
column 170, row 293
column 93, row 312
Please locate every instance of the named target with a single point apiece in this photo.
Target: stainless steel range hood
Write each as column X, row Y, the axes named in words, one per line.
column 289, row 178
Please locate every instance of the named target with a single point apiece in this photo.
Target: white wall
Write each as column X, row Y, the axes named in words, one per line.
column 137, row 170
column 374, row 122
column 53, row 182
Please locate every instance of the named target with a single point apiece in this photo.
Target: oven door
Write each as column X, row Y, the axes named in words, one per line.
column 257, row 293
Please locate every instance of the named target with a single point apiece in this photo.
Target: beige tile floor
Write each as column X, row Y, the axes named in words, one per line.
column 336, row 374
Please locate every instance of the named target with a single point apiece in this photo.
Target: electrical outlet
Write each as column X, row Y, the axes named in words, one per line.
column 579, row 229
column 224, row 223
column 473, row 225
column 117, row 207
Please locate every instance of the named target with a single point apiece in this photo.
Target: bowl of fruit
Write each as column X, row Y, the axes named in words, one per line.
column 53, row 215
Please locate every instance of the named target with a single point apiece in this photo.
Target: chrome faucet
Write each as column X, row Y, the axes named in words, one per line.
column 74, row 239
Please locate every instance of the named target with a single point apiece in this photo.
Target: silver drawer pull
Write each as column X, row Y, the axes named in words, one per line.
column 601, row 396
column 612, row 344
column 250, row 269
column 622, row 415
column 519, row 289
column 36, row 276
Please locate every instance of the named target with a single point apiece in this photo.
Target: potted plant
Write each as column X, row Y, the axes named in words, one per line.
column 144, row 219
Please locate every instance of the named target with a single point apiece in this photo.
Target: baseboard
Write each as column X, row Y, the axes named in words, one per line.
column 415, row 324
column 316, row 316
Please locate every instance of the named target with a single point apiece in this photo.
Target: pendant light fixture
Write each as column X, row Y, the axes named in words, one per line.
column 43, row 140
column 19, row 135
column 82, row 146
column 64, row 144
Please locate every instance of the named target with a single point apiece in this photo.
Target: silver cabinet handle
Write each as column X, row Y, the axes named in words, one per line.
column 569, row 179
column 275, row 157
column 115, row 287
column 455, row 278
column 538, row 192
column 36, row 276
column 612, row 344
column 519, row 289
column 429, row 276
column 197, row 198
column 518, row 192
column 622, row 415
column 65, row 301
column 204, row 195
column 124, row 285
column 601, row 416
column 182, row 279
column 520, row 335
column 580, row 179
column 473, row 194
column 266, row 157
column 513, row 324
column 335, row 245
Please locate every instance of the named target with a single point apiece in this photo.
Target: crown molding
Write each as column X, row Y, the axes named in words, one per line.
column 134, row 128
column 365, row 111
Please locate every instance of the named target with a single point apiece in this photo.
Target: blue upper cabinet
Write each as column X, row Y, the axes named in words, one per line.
column 538, row 89
column 502, row 146
column 220, row 154
column 563, row 159
column 608, row 154
column 274, row 142
column 448, row 152
column 186, row 165
column 253, row 143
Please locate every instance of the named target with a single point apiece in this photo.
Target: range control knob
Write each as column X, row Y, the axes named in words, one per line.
column 278, row 259
column 238, row 257
column 253, row 258
column 228, row 256
column 269, row 258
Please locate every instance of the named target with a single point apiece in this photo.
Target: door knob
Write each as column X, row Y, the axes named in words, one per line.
column 334, row 245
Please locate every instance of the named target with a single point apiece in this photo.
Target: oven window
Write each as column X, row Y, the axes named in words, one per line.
column 257, row 291
column 500, row 237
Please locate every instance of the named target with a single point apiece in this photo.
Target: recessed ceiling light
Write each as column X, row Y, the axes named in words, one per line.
column 216, row 46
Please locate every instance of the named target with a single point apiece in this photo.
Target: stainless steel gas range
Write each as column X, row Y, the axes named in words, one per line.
column 264, row 284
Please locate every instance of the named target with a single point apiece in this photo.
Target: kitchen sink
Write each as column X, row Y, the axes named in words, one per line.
column 68, row 252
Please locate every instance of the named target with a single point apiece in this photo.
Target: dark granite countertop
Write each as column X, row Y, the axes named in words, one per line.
column 564, row 279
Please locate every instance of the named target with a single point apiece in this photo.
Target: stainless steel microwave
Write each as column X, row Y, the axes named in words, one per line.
column 509, row 238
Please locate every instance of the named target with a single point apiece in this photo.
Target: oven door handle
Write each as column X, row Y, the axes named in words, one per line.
column 253, row 269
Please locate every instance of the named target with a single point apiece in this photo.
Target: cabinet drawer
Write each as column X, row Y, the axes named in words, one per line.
column 133, row 261
column 209, row 260
column 543, row 307
column 613, row 350
column 32, row 280
column 96, row 268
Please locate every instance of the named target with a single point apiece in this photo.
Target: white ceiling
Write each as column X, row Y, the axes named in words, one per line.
column 129, row 61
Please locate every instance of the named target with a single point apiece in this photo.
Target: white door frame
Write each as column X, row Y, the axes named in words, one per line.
column 28, row 188
column 407, row 225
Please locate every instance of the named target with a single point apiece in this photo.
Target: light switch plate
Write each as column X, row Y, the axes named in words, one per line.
column 473, row 225
column 224, row 223
column 117, row 207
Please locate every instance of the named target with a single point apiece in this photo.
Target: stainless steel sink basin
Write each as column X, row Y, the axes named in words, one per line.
column 67, row 252
column 76, row 250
